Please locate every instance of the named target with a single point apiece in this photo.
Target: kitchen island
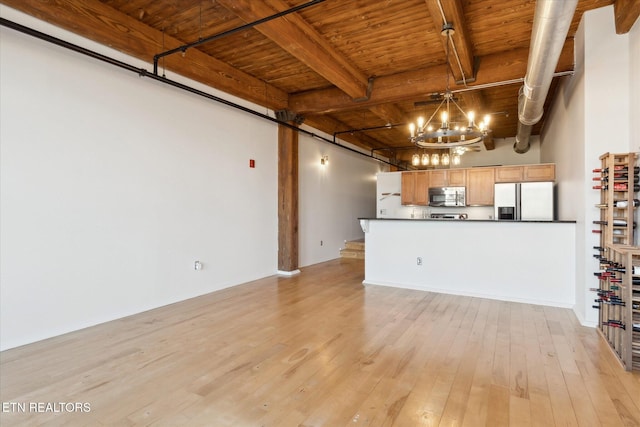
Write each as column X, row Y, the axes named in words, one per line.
column 522, row 261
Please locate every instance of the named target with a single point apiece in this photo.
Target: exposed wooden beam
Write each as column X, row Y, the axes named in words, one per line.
column 103, row 24
column 287, row 199
column 462, row 58
column 301, row 40
column 389, row 113
column 492, row 69
column 626, row 14
column 329, row 125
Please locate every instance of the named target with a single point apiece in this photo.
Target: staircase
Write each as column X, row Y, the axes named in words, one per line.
column 353, row 249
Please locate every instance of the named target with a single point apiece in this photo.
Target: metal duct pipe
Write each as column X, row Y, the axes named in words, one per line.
column 550, row 27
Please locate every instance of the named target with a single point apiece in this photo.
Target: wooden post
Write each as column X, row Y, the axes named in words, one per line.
column 287, row 200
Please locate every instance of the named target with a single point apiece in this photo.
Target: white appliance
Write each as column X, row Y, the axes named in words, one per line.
column 524, row 201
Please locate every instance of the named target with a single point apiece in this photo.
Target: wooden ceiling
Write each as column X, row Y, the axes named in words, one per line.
column 341, row 65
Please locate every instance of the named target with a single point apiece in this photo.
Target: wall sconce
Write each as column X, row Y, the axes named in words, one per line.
column 324, row 160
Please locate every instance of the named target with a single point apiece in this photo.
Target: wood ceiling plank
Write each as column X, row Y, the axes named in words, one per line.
column 492, row 69
column 301, row 40
column 626, row 13
column 390, row 113
column 103, row 24
column 452, row 10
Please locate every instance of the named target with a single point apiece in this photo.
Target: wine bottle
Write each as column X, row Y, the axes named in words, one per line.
column 625, row 203
column 621, row 180
column 616, row 223
column 623, row 168
column 634, row 270
column 623, row 186
column 614, row 323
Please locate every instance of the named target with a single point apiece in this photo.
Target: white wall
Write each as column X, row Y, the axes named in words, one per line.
column 502, row 154
column 112, row 185
column 591, row 103
column 332, row 198
column 466, row 258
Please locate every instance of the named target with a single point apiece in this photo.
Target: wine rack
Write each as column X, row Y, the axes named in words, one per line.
column 618, row 298
column 618, row 292
column 618, row 182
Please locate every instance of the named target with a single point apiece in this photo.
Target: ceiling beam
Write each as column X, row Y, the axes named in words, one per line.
column 302, row 41
column 98, row 22
column 454, row 14
column 389, row 113
column 327, row 124
column 496, row 68
column 626, row 13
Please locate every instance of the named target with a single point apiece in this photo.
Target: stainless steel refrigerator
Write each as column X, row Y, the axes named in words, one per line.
column 524, row 201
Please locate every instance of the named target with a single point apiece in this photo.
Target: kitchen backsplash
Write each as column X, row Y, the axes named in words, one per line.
column 389, row 186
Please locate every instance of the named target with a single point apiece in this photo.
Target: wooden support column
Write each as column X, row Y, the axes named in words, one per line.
column 287, row 200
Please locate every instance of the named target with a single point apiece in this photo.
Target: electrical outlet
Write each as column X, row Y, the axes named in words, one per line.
column 419, row 260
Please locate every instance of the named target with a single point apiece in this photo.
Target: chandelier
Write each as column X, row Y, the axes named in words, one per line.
column 453, row 130
column 451, row 157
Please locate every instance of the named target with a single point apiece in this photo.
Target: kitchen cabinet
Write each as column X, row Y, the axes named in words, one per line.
column 526, row 173
column 509, row 174
column 544, row 172
column 448, row 178
column 480, row 184
column 415, row 187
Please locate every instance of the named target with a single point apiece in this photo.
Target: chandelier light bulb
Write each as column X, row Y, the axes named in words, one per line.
column 456, row 159
column 471, row 116
column 487, row 119
column 429, row 128
column 420, row 123
column 444, row 116
column 415, row 160
column 435, row 159
column 412, row 129
column 445, row 159
column 425, row 159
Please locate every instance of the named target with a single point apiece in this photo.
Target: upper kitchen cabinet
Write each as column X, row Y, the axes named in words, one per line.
column 509, row 173
column 544, row 172
column 415, row 187
column 526, row 173
column 448, row 178
column 480, row 184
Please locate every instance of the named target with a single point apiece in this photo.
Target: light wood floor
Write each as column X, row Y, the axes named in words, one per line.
column 319, row 349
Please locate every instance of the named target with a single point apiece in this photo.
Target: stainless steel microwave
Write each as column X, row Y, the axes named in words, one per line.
column 447, row 196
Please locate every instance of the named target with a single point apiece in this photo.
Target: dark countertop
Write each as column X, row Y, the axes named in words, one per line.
column 471, row 220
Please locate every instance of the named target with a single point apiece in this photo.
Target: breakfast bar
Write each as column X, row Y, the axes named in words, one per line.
column 523, row 261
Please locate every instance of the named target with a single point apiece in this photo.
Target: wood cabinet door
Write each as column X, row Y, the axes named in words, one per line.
column 408, row 188
column 421, row 194
column 509, row 174
column 457, row 177
column 546, row 172
column 438, row 178
column 480, row 186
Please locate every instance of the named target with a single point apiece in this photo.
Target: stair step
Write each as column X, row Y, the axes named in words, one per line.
column 351, row 253
column 354, row 244
column 353, row 249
